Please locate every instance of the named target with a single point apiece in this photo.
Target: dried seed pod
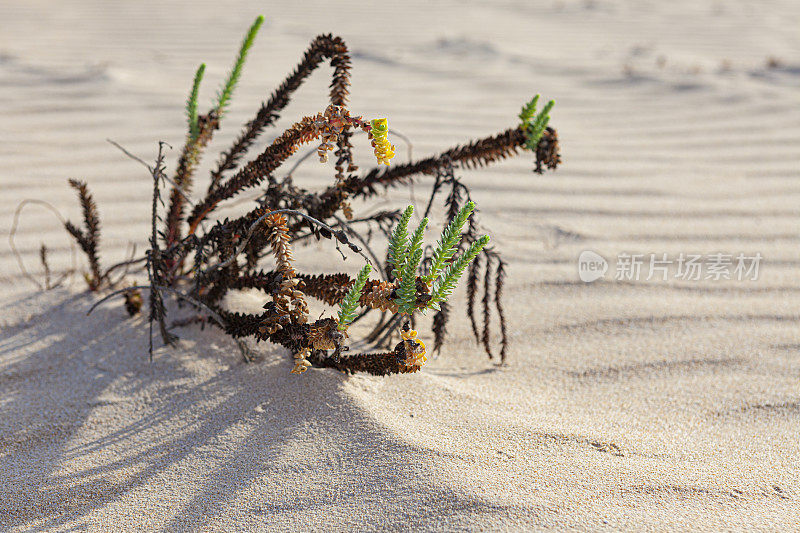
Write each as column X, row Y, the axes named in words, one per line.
column 380, row 296
column 133, row 301
column 414, row 348
column 301, row 362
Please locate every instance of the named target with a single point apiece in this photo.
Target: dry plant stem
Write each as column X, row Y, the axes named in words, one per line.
column 378, row 364
column 149, row 168
column 13, row 245
column 88, row 239
column 155, row 267
column 383, row 335
column 472, row 284
column 363, row 242
column 45, row 266
column 327, row 288
column 308, row 154
column 255, row 172
column 476, row 153
column 321, row 48
column 440, row 327
column 473, row 154
column 197, row 303
column 498, row 299
column 287, row 294
column 125, row 264
column 381, row 321
column 252, row 228
column 487, row 278
column 190, row 158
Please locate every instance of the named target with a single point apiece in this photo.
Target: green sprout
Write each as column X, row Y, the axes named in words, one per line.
column 405, row 256
column 225, row 93
column 444, row 285
column 407, row 292
column 348, row 308
column 447, row 245
column 191, row 103
column 532, row 124
column 398, row 242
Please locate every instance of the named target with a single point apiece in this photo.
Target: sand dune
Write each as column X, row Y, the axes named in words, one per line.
column 625, row 405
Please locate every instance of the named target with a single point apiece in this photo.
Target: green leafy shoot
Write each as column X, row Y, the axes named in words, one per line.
column 532, row 124
column 448, row 242
column 224, row 95
column 407, row 292
column 398, row 242
column 348, row 308
column 528, row 111
column 444, row 285
column 191, row 104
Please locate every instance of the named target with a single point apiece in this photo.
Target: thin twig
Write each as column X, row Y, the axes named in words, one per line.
column 129, row 154
column 176, row 292
column 389, row 329
column 435, row 189
column 45, row 265
column 13, row 233
column 150, row 168
column 358, row 236
column 126, row 264
column 239, row 249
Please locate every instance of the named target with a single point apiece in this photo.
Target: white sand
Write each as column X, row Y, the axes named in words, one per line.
column 660, row 406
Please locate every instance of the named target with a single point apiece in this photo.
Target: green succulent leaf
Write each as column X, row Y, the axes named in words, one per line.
column 348, row 307
column 528, row 110
column 191, row 103
column 534, row 124
column 443, row 286
column 398, row 242
column 225, row 93
column 447, row 244
column 407, row 291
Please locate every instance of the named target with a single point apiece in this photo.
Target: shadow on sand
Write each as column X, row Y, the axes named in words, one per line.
column 87, row 424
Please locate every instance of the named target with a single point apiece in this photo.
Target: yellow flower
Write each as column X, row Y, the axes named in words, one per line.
column 384, row 151
column 417, row 356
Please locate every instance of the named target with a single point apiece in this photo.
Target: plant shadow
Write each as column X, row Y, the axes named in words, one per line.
column 88, row 424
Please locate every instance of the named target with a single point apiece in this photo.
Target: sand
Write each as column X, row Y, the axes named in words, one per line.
column 625, row 405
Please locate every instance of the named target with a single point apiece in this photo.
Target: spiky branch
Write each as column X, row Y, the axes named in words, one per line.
column 323, row 47
column 89, row 238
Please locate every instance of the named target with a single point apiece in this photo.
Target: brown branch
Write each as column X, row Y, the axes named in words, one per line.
column 187, row 164
column 472, row 287
column 327, row 125
column 500, row 277
column 378, row 364
column 323, row 47
column 440, row 320
column 487, row 277
column 474, row 154
column 88, row 239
